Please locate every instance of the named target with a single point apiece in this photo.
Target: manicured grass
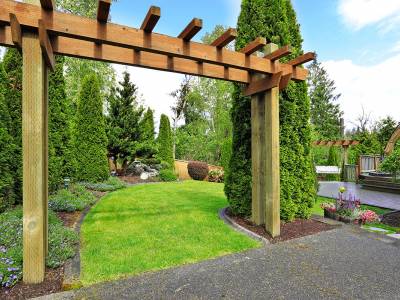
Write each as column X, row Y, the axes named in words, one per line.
column 151, row 227
column 317, row 210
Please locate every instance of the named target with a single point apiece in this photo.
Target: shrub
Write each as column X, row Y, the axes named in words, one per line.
column 112, row 184
column 77, row 198
column 62, row 242
column 197, row 170
column 216, row 176
column 151, row 161
column 164, row 141
column 167, row 175
column 392, row 163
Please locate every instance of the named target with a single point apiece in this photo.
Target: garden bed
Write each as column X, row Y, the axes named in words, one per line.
column 392, row 219
column 292, row 230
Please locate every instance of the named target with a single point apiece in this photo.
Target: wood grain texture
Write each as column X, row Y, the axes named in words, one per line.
column 191, row 29
column 264, row 84
column 103, row 10
column 227, row 37
column 62, row 24
column 254, row 46
column 46, row 47
column 151, row 19
column 34, row 145
column 16, row 32
column 285, row 80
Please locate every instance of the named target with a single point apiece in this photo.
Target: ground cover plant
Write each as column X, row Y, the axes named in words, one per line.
column 151, row 227
column 111, row 184
column 75, row 198
column 62, row 243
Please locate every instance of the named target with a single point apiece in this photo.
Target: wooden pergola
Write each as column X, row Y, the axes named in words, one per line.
column 40, row 32
column 345, row 144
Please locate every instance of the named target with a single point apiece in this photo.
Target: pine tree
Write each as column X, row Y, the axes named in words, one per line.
column 59, row 127
column 12, row 63
column 165, row 145
column 89, row 135
column 275, row 20
column 325, row 111
column 123, row 122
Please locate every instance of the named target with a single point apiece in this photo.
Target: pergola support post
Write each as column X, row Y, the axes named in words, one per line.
column 35, row 161
column 265, row 156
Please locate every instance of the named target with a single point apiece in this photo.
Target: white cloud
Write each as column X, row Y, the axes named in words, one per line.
column 374, row 87
column 360, row 13
column 155, row 87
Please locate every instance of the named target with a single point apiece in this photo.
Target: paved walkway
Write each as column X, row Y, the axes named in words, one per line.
column 345, row 263
column 330, row 189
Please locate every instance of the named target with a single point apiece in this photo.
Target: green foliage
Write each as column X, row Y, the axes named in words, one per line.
column 89, row 136
column 392, row 163
column 123, row 122
column 216, row 176
column 147, row 147
column 333, row 160
column 385, row 129
column 76, row 198
column 62, row 242
column 275, row 20
column 369, row 145
column 164, row 140
column 167, row 175
column 111, row 184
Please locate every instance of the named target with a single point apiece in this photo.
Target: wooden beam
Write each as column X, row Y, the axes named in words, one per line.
column 254, row 46
column 305, row 58
column 262, row 85
column 103, row 10
column 227, row 37
column 16, row 32
column 46, row 47
column 152, row 17
column 191, row 30
column 47, row 4
column 62, row 24
column 282, row 52
column 285, row 80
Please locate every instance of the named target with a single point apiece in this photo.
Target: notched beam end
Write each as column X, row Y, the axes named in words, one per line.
column 47, row 4
column 285, row 80
column 302, row 59
column 278, row 54
column 191, row 30
column 103, row 10
column 16, row 32
column 227, row 37
column 46, row 47
column 254, row 46
column 151, row 19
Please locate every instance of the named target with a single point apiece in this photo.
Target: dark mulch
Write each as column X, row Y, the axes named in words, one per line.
column 69, row 218
column 52, row 284
column 297, row 228
column 136, row 179
column 392, row 219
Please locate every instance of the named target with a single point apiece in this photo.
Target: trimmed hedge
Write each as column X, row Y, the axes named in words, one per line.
column 198, row 170
column 167, row 175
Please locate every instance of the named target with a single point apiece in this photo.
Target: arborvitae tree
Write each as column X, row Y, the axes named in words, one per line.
column 12, row 63
column 7, row 196
column 325, row 111
column 275, row 20
column 164, row 140
column 123, row 122
column 147, row 146
column 89, row 135
column 59, row 127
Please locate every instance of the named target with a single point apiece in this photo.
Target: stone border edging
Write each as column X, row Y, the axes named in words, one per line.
column 229, row 221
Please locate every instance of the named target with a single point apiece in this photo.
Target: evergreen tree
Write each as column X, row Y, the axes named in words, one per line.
column 147, row 147
column 275, row 20
column 7, row 196
column 325, row 112
column 12, row 63
column 59, row 127
column 333, row 160
column 89, row 136
column 123, row 122
column 384, row 131
column 165, row 145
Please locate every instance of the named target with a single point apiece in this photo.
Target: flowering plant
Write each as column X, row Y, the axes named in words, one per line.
column 329, row 207
column 368, row 216
column 10, row 271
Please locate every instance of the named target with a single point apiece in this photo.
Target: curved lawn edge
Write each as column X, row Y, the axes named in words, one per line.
column 146, row 228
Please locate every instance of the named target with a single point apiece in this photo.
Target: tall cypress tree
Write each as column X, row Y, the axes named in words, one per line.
column 12, row 63
column 59, row 127
column 275, row 20
column 147, row 147
column 89, row 135
column 165, row 144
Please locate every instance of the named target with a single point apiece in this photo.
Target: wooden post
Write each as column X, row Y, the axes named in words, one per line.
column 265, row 157
column 35, row 161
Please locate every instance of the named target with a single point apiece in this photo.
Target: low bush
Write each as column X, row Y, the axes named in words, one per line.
column 167, row 175
column 62, row 242
column 198, row 170
column 111, row 184
column 76, row 198
column 216, row 176
column 151, row 161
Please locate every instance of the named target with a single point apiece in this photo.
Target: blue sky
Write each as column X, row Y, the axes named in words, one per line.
column 358, row 42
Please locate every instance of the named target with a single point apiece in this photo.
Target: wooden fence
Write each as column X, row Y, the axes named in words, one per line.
column 368, row 163
column 182, row 171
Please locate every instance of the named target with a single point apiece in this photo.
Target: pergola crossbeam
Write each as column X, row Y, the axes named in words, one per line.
column 152, row 17
column 254, row 46
column 191, row 29
column 16, row 32
column 302, row 59
column 263, row 84
column 227, row 37
column 103, row 10
column 278, row 54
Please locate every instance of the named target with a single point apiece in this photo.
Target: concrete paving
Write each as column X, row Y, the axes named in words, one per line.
column 330, row 189
column 344, row 263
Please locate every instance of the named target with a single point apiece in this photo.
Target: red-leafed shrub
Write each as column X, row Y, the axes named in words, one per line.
column 198, row 170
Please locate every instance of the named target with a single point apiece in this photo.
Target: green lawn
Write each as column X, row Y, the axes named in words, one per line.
column 152, row 227
column 317, row 210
